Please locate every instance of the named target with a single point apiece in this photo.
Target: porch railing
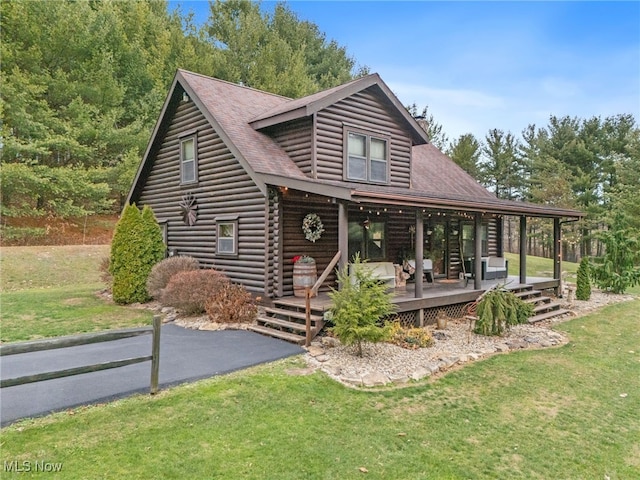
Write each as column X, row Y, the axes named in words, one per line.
column 313, row 291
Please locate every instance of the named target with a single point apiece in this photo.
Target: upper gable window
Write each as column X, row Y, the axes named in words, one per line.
column 367, row 158
column 188, row 160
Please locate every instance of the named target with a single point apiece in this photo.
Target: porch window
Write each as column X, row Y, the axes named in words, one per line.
column 367, row 158
column 368, row 239
column 468, row 242
column 188, row 160
column 227, row 238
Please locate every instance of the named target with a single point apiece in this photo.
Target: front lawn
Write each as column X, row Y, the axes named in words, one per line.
column 50, row 291
column 569, row 412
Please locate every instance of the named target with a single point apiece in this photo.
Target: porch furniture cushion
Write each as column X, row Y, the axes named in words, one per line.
column 427, row 268
column 494, row 267
column 384, row 271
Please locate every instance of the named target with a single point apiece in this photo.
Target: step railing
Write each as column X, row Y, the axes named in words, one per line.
column 313, row 291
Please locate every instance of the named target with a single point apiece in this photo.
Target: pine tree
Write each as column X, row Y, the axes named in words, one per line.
column 583, row 289
column 358, row 307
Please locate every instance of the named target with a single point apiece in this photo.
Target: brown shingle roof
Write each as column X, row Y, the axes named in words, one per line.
column 236, row 111
column 231, row 106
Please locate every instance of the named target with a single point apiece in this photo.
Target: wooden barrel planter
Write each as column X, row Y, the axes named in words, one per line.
column 304, row 275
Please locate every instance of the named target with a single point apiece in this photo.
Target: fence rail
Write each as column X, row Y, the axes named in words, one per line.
column 49, row 344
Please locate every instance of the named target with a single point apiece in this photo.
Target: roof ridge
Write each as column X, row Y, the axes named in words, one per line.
column 233, row 84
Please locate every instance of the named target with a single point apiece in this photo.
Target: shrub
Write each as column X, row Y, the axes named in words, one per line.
column 409, row 337
column 136, row 247
column 359, row 306
column 162, row 272
column 189, row 291
column 232, row 304
column 583, row 286
column 619, row 268
column 500, row 309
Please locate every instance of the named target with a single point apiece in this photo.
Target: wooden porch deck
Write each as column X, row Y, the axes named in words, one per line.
column 434, row 295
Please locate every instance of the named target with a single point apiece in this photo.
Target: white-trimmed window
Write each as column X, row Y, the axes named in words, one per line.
column 227, row 237
column 188, row 160
column 367, row 158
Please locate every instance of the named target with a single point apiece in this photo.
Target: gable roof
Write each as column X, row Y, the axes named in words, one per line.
column 307, row 106
column 237, row 113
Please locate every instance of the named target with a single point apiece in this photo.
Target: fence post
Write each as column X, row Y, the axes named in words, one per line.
column 155, row 354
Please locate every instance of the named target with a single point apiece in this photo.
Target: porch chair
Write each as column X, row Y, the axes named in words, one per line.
column 427, row 268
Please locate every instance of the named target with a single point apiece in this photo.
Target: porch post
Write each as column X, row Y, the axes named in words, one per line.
column 419, row 246
column 343, row 235
column 477, row 239
column 557, row 255
column 523, row 249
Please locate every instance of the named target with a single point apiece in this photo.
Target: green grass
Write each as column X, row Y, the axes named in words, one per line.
column 52, row 291
column 539, row 266
column 555, row 413
column 40, row 313
column 51, row 266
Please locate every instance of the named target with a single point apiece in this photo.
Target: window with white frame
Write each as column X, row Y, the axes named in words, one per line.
column 227, row 237
column 188, row 160
column 367, row 158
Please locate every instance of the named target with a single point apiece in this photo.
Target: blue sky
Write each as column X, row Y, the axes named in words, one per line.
column 482, row 65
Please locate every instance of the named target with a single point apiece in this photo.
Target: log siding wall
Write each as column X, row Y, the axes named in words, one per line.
column 295, row 138
column 223, row 189
column 362, row 110
column 295, row 206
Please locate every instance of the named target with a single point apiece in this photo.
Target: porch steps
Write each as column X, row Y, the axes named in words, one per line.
column 288, row 322
column 544, row 307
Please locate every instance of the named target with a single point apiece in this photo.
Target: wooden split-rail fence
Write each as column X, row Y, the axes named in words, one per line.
column 72, row 341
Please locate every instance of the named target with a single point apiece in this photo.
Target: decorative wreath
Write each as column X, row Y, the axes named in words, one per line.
column 312, row 227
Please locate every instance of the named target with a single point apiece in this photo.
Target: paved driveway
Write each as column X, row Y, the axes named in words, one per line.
column 185, row 355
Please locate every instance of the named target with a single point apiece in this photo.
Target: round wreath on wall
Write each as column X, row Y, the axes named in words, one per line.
column 312, row 227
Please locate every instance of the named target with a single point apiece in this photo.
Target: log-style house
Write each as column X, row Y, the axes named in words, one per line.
column 231, row 172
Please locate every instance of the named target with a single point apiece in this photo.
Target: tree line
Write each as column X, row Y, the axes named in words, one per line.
column 82, row 84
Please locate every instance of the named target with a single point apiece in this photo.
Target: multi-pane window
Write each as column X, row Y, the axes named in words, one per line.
column 188, row 161
column 227, row 238
column 367, row 158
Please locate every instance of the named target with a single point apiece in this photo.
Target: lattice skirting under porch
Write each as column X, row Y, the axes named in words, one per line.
column 430, row 314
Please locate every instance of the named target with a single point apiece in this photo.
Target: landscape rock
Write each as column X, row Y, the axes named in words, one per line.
column 374, row 379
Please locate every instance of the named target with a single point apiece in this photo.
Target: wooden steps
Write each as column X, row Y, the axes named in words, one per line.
column 544, row 307
column 288, row 322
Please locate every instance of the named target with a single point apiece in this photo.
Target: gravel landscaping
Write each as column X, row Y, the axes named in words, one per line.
column 384, row 363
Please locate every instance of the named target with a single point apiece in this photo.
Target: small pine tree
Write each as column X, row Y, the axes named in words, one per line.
column 358, row 307
column 136, row 247
column 583, row 287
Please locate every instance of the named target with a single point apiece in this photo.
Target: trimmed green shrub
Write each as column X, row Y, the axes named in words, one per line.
column 359, row 306
column 583, row 286
column 189, row 291
column 232, row 304
column 499, row 310
column 136, row 247
column 162, row 272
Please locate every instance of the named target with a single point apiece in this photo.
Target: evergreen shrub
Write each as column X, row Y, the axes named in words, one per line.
column 583, row 283
column 232, row 304
column 162, row 272
column 359, row 307
column 500, row 309
column 189, row 291
column 136, row 247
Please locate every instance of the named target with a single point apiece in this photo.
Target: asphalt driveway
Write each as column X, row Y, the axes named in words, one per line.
column 185, row 355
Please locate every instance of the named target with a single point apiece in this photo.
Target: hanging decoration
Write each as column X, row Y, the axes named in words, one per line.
column 189, row 209
column 312, row 227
